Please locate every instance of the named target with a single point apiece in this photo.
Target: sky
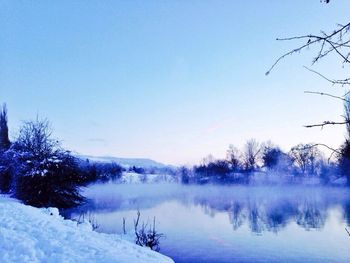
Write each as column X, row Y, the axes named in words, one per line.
column 172, row 81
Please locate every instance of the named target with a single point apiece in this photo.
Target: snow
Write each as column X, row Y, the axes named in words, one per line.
column 125, row 162
column 29, row 234
column 136, row 178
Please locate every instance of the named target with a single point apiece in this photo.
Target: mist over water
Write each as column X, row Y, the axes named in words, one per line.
column 214, row 223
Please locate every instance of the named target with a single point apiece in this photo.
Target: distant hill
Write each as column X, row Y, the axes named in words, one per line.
column 139, row 162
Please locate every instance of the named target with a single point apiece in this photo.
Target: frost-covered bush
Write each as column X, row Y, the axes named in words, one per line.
column 45, row 174
column 49, row 181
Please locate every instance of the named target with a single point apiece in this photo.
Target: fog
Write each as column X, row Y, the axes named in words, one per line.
column 263, row 207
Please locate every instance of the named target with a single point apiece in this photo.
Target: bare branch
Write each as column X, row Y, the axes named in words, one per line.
column 347, row 231
column 328, row 95
column 326, row 123
column 326, row 146
column 124, row 231
column 345, row 57
column 334, row 82
column 323, row 39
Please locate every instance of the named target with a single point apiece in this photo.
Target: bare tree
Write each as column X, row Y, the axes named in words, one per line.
column 36, row 137
column 207, row 160
column 251, row 154
column 233, row 157
column 305, row 157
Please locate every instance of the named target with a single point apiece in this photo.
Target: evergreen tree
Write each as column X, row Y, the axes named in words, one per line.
column 4, row 131
column 5, row 161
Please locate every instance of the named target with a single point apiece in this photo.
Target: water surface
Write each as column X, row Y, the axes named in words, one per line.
column 231, row 223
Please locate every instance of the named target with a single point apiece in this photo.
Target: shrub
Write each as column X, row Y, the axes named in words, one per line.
column 108, row 171
column 138, row 170
column 50, row 181
column 214, row 170
column 45, row 175
column 147, row 236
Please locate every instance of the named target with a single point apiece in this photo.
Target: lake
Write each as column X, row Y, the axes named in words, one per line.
column 212, row 223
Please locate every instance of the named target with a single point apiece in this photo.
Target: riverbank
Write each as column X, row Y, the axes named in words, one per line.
column 29, row 234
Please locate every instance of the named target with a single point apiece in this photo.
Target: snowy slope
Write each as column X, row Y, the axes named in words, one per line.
column 128, row 162
column 29, row 234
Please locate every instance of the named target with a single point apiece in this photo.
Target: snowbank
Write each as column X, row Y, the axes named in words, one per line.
column 29, row 234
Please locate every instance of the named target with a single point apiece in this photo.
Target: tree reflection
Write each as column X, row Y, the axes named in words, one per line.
column 274, row 215
column 311, row 216
column 279, row 215
column 256, row 218
column 236, row 215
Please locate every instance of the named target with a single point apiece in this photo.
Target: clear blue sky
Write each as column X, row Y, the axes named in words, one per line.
column 168, row 80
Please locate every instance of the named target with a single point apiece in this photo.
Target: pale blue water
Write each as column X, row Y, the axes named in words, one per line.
column 232, row 223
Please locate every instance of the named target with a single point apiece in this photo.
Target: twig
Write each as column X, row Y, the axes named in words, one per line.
column 323, row 39
column 334, row 82
column 326, row 123
column 327, row 94
column 124, row 231
column 326, row 146
column 347, row 231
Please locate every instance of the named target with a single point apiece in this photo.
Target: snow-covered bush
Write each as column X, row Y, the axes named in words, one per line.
column 45, row 174
column 49, row 181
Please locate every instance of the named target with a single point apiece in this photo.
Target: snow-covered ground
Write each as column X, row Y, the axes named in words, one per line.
column 29, row 234
column 135, row 178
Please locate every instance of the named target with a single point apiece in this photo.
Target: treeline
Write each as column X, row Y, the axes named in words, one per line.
column 263, row 160
column 37, row 170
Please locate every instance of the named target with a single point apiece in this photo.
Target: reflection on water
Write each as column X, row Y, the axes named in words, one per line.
column 232, row 223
